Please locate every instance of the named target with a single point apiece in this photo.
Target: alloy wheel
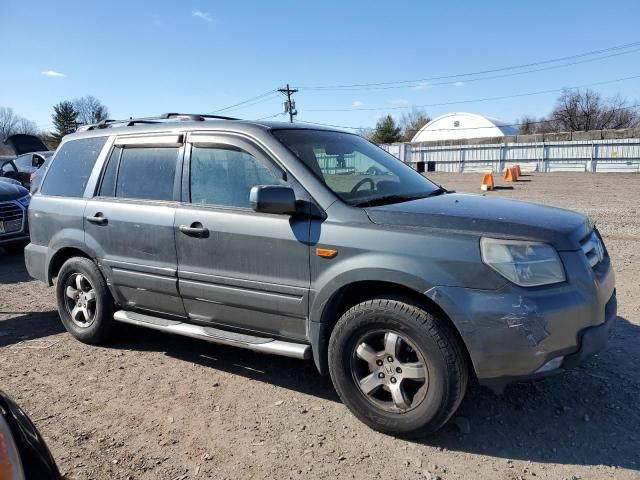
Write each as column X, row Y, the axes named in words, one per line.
column 390, row 371
column 80, row 299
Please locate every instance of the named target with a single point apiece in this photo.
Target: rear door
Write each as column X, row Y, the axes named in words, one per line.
column 238, row 268
column 129, row 223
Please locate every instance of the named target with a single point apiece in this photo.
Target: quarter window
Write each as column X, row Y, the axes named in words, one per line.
column 223, row 175
column 69, row 172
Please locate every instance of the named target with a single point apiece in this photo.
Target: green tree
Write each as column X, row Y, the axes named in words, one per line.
column 387, row 131
column 65, row 120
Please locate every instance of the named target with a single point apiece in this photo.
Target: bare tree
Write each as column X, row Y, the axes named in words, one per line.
column 527, row 125
column 365, row 132
column 582, row 110
column 8, row 122
column 413, row 121
column 24, row 125
column 90, row 110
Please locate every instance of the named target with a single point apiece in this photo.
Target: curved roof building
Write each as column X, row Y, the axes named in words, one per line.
column 458, row 125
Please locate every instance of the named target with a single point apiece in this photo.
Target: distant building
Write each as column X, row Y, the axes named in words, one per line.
column 458, row 125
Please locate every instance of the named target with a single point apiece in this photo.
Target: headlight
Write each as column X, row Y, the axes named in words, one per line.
column 527, row 264
column 25, row 201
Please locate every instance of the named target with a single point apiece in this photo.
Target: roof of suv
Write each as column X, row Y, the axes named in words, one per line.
column 242, row 126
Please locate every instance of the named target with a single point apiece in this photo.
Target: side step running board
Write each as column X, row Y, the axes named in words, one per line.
column 215, row 335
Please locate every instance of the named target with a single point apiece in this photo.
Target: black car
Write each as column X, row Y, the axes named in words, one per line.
column 31, row 153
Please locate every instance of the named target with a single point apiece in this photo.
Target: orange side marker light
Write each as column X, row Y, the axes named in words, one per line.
column 326, row 252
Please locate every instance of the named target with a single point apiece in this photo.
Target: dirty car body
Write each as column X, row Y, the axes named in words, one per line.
column 526, row 290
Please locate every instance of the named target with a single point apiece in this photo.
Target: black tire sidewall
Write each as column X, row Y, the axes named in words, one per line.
column 434, row 409
column 99, row 330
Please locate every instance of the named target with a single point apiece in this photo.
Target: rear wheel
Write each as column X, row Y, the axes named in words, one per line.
column 399, row 368
column 84, row 301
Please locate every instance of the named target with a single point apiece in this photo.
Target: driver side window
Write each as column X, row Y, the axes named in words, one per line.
column 224, row 175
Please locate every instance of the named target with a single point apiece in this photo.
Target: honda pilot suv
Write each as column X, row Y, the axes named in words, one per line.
column 314, row 243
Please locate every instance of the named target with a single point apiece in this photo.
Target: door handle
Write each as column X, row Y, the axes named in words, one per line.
column 98, row 219
column 195, row 230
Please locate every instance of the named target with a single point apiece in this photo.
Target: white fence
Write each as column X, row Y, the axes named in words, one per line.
column 616, row 155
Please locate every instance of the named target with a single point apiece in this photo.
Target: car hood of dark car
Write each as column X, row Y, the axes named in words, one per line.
column 488, row 216
column 10, row 191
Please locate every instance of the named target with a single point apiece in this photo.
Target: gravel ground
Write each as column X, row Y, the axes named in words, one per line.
column 152, row 406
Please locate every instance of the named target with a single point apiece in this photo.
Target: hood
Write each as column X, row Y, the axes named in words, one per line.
column 488, row 216
column 10, row 191
column 24, row 143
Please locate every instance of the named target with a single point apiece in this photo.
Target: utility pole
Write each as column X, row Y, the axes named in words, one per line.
column 289, row 105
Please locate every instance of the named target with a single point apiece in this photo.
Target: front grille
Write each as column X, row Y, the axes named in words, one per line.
column 593, row 248
column 11, row 216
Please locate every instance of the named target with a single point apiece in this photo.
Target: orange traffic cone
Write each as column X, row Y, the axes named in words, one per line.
column 518, row 171
column 510, row 175
column 487, row 182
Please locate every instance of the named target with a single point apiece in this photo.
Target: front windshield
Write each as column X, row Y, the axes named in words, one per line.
column 356, row 170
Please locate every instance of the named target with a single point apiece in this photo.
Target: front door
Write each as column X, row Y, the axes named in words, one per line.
column 130, row 223
column 238, row 268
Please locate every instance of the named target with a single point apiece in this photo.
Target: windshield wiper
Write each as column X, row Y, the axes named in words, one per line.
column 396, row 198
column 438, row 191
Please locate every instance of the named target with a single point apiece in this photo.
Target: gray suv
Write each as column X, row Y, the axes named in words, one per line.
column 314, row 243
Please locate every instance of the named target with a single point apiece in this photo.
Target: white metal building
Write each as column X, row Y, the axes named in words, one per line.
column 462, row 125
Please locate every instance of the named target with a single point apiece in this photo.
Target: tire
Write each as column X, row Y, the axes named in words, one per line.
column 94, row 325
column 416, row 337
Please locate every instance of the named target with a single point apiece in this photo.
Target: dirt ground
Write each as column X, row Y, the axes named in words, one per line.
column 152, row 406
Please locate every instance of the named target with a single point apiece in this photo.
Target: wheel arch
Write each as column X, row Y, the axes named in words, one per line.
column 60, row 257
column 356, row 292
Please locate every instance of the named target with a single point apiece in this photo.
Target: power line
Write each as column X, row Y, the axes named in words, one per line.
column 533, row 122
column 270, row 116
column 474, row 100
column 491, row 77
column 481, row 72
column 257, row 97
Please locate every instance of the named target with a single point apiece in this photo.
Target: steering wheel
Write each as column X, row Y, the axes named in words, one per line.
column 356, row 187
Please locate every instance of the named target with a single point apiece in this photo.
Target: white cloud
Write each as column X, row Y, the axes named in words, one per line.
column 357, row 103
column 458, row 84
column 421, row 85
column 203, row 15
column 53, row 73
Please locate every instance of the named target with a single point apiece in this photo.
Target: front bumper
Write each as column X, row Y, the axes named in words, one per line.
column 13, row 216
column 14, row 239
column 512, row 333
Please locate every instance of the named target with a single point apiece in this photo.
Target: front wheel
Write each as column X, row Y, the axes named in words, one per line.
column 399, row 368
column 84, row 301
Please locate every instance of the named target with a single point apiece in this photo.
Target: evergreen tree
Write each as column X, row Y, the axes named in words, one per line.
column 64, row 120
column 387, row 131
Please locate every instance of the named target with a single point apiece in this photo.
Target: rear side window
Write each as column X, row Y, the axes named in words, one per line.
column 69, row 172
column 146, row 173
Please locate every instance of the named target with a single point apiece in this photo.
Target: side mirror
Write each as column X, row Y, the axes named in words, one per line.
column 273, row 199
column 37, row 160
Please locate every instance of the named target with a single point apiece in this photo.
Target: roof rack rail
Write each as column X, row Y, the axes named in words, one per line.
column 194, row 117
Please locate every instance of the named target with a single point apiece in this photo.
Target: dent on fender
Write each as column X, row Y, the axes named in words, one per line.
column 523, row 314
